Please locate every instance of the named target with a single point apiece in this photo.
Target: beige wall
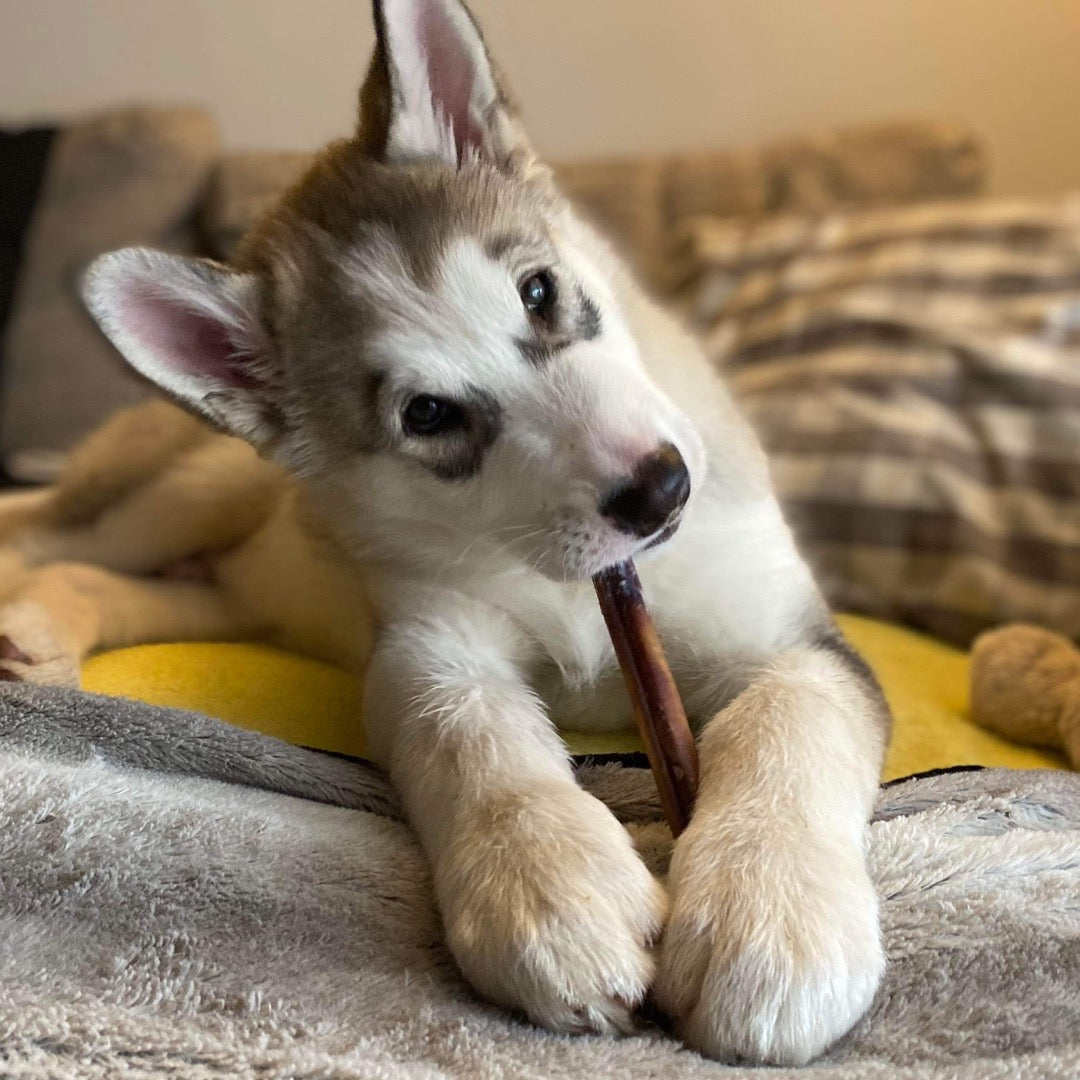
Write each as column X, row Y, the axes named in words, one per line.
column 593, row 75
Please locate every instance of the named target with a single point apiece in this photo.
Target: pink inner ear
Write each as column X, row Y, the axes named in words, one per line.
column 452, row 73
column 184, row 339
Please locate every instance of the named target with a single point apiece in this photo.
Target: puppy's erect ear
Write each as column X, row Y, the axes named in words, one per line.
column 432, row 90
column 193, row 327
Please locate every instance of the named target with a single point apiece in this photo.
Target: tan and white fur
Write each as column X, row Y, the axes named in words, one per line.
column 463, row 407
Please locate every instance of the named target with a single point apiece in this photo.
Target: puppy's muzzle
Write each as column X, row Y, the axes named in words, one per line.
column 652, row 497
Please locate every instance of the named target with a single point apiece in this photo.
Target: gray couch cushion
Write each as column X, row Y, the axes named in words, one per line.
column 131, row 176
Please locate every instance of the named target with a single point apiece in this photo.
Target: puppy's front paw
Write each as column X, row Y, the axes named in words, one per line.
column 31, row 648
column 770, row 954
column 549, row 910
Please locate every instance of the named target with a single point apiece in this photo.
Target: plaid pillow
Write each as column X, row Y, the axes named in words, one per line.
column 914, row 374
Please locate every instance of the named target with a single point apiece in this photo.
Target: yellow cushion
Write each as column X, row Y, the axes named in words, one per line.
column 314, row 704
column 926, row 684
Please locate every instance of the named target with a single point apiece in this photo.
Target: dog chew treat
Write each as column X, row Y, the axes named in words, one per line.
column 657, row 706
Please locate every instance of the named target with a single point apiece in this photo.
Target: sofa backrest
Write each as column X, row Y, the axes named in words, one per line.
column 641, row 201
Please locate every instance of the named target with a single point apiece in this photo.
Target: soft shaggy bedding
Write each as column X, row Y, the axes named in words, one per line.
column 179, row 898
column 313, row 704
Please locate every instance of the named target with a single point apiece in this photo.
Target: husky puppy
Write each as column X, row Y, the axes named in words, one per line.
column 485, row 410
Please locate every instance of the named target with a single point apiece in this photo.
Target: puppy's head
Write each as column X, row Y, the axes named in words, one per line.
column 424, row 332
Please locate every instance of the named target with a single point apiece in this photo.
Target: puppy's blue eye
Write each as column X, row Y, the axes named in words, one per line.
column 537, row 293
column 426, row 415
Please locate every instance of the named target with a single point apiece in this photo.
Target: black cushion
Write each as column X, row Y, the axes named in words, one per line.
column 23, row 157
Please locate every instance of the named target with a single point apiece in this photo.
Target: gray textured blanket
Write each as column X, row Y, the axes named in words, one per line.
column 182, row 899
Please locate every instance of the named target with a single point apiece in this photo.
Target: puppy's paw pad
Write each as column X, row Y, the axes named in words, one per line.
column 31, row 650
column 10, row 651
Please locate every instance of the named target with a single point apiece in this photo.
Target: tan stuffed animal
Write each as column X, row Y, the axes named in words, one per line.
column 1025, row 685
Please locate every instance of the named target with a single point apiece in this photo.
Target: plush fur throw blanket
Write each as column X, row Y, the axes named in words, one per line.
column 182, row 899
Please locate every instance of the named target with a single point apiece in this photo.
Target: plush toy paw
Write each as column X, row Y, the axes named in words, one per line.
column 549, row 910
column 32, row 649
column 1025, row 685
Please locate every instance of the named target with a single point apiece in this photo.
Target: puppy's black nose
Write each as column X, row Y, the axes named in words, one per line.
column 657, row 491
